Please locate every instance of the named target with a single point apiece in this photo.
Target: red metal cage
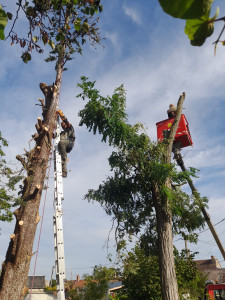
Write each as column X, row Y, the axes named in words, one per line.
column 182, row 136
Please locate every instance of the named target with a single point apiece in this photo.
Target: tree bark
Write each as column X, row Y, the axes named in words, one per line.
column 169, row 286
column 16, row 265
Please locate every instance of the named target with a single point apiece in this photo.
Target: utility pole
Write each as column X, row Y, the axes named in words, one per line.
column 57, row 219
column 50, row 283
column 179, row 159
column 186, row 248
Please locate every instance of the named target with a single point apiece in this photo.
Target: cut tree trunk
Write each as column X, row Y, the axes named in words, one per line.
column 16, row 265
column 169, row 286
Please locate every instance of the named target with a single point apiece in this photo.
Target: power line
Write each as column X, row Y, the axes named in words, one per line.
column 213, row 225
column 204, row 230
column 89, row 267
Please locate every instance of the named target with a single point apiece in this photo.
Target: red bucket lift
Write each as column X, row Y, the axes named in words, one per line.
column 183, row 136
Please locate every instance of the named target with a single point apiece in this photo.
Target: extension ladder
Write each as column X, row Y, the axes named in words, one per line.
column 57, row 219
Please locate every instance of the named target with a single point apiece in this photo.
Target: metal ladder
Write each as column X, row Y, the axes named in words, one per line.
column 57, row 219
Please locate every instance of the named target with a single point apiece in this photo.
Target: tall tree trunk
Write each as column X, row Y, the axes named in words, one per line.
column 169, row 286
column 16, row 265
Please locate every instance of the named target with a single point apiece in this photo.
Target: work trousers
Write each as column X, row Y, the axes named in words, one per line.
column 63, row 145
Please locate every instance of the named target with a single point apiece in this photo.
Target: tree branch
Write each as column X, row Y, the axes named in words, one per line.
column 174, row 128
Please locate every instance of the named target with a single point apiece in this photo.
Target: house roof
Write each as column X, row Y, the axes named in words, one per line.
column 79, row 283
column 212, row 268
column 114, row 284
column 208, row 264
column 39, row 282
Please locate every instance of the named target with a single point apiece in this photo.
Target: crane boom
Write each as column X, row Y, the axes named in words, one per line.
column 179, row 159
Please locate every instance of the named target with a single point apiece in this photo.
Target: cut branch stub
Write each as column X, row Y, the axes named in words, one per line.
column 22, row 160
column 38, row 218
column 40, row 123
column 12, row 236
column 38, row 128
column 35, row 136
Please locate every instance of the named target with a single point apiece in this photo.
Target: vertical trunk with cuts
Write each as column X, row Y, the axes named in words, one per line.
column 162, row 206
column 16, row 265
column 169, row 286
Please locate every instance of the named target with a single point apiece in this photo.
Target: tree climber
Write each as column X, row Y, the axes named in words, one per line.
column 67, row 140
column 172, row 111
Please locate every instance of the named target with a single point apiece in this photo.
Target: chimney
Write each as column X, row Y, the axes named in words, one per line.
column 215, row 262
column 78, row 278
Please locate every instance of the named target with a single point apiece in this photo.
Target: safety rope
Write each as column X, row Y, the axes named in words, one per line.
column 39, row 238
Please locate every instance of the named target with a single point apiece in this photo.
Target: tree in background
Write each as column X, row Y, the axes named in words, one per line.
column 141, row 276
column 8, row 180
column 64, row 25
column 143, row 195
column 96, row 285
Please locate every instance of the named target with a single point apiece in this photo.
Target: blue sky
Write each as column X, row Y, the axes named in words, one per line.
column 148, row 52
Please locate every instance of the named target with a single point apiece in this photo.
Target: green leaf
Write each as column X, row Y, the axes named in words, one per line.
column 216, row 14
column 60, row 37
column 77, row 24
column 45, row 39
column 35, row 39
column 9, row 15
column 3, row 22
column 186, row 9
column 85, row 26
column 26, row 57
column 51, row 44
column 198, row 30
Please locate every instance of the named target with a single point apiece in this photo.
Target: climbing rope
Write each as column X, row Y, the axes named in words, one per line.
column 43, row 211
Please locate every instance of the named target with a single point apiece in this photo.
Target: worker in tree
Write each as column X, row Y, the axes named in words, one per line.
column 172, row 111
column 67, row 140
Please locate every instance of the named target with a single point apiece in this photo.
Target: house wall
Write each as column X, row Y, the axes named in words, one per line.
column 40, row 296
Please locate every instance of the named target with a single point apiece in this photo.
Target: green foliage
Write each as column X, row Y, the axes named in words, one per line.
column 56, row 23
column 26, row 57
column 51, row 290
column 189, row 278
column 199, row 25
column 141, row 276
column 106, row 115
column 186, row 9
column 8, row 180
column 138, row 166
column 54, row 283
column 199, row 29
column 96, row 285
column 3, row 22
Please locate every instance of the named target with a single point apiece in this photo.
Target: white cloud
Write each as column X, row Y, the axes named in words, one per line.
column 130, row 12
column 113, row 37
column 206, row 158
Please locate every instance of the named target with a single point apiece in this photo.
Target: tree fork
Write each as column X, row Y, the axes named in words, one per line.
column 16, row 265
